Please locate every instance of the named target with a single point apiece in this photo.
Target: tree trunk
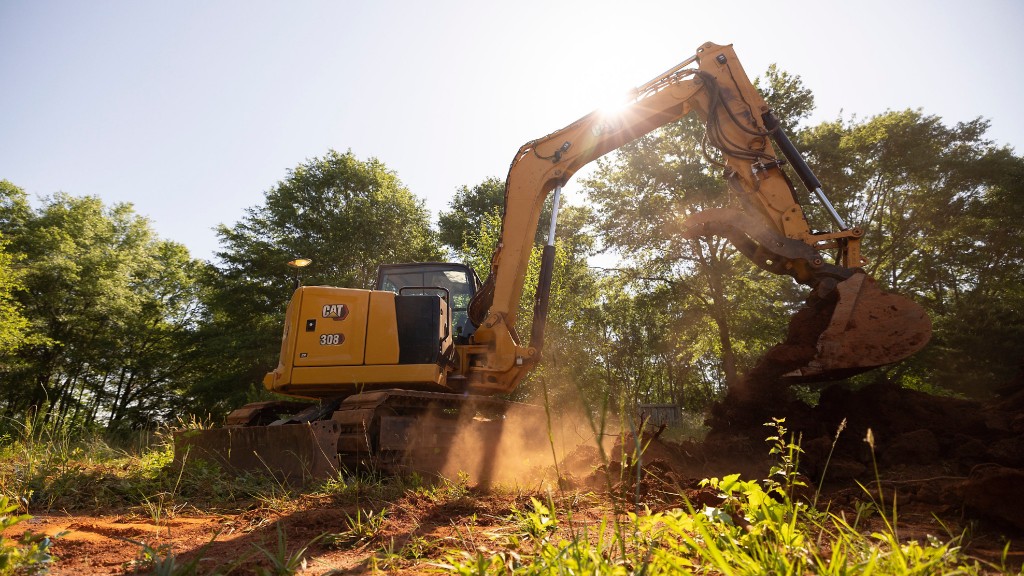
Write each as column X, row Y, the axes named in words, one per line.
column 720, row 313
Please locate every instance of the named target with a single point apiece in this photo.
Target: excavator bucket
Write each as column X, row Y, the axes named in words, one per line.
column 867, row 328
column 848, row 326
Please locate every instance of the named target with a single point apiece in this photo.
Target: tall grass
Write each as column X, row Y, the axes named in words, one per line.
column 44, row 467
column 757, row 527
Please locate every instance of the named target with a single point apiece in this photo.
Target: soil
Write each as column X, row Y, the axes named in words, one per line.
column 950, row 466
column 417, row 528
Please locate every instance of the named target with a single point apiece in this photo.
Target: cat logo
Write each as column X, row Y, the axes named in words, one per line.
column 335, row 311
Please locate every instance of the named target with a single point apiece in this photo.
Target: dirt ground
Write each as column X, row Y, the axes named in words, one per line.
column 951, row 466
column 418, row 526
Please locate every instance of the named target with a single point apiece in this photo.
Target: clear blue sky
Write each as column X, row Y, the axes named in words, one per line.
column 190, row 110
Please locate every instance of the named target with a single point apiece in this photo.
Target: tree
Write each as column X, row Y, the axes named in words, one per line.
column 96, row 290
column 347, row 215
column 473, row 208
column 791, row 101
column 14, row 326
column 941, row 205
column 470, row 210
column 720, row 311
column 643, row 194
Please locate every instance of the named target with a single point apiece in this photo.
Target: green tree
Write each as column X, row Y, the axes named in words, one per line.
column 643, row 194
column 96, row 292
column 941, row 206
column 471, row 208
column 14, row 327
column 474, row 208
column 347, row 215
column 718, row 312
column 791, row 101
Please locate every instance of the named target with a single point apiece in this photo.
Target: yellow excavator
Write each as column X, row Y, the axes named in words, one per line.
column 392, row 369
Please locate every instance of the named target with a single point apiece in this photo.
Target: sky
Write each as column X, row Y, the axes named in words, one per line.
column 191, row 110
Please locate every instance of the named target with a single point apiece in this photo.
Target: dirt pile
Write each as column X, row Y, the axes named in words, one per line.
column 954, row 456
column 944, row 451
column 951, row 455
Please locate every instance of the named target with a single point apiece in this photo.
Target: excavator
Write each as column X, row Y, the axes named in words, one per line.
column 391, row 371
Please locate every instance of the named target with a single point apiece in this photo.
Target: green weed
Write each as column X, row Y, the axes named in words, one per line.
column 281, row 562
column 29, row 553
column 539, row 521
column 757, row 528
column 162, row 561
column 361, row 528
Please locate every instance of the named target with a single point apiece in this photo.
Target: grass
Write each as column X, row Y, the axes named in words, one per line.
column 281, row 561
column 46, row 469
column 757, row 526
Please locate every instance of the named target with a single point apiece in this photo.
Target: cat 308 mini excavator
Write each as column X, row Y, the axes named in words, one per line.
column 392, row 369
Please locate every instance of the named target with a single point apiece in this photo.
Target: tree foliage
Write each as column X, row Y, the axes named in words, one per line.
column 475, row 208
column 347, row 215
column 14, row 326
column 723, row 310
column 940, row 205
column 471, row 209
column 110, row 305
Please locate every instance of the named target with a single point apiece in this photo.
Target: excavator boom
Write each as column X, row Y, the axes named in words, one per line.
column 769, row 226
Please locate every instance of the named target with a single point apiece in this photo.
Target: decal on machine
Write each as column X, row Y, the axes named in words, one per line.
column 331, row 339
column 335, row 311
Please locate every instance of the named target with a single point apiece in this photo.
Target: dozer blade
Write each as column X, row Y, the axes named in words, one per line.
column 293, row 452
column 868, row 328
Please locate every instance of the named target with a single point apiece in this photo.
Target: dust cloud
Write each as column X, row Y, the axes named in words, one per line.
column 518, row 447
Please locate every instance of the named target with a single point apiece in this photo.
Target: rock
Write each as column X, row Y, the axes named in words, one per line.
column 994, row 492
column 969, row 448
column 1008, row 451
column 966, row 452
column 1017, row 424
column 844, row 469
column 917, row 447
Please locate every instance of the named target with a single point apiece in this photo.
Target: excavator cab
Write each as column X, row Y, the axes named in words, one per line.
column 455, row 283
